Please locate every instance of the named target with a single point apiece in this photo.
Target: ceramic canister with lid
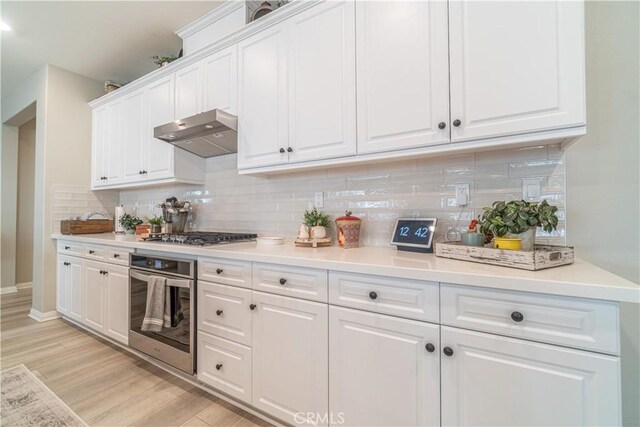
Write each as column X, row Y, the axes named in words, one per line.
column 348, row 227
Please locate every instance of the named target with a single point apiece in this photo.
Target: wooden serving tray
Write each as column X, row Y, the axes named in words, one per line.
column 543, row 256
column 314, row 243
column 89, row 226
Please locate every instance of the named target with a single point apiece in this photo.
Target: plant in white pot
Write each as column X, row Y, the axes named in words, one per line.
column 519, row 219
column 318, row 222
column 129, row 222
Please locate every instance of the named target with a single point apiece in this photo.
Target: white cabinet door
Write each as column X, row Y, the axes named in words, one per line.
column 516, row 67
column 188, row 91
column 135, row 136
column 75, row 288
column 62, row 285
column 221, row 80
column 99, row 139
column 117, row 303
column 115, row 150
column 95, row 295
column 498, row 381
column 384, row 371
column 160, row 109
column 262, row 99
column 290, row 357
column 403, row 74
column 322, row 82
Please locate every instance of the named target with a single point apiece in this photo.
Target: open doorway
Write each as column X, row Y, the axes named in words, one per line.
column 24, row 205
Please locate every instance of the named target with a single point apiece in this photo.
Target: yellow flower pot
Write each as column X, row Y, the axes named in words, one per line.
column 507, row 243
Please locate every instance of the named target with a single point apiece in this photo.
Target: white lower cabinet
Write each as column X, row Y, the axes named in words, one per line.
column 498, row 381
column 224, row 311
column 290, row 358
column 70, row 292
column 95, row 294
column 384, row 371
column 225, row 365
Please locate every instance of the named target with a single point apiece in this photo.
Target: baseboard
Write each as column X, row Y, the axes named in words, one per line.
column 8, row 290
column 25, row 285
column 43, row 317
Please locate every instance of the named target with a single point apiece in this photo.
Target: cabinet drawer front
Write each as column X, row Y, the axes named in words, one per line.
column 579, row 323
column 224, row 311
column 95, row 252
column 70, row 248
column 401, row 297
column 224, row 271
column 225, row 366
column 305, row 283
column 118, row 255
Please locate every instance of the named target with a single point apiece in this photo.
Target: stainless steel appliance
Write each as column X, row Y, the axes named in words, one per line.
column 174, row 345
column 201, row 238
column 209, row 134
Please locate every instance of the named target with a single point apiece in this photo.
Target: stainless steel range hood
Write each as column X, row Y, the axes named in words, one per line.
column 208, row 134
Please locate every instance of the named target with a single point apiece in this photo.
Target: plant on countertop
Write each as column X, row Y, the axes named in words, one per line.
column 315, row 218
column 129, row 222
column 155, row 220
column 163, row 60
column 517, row 217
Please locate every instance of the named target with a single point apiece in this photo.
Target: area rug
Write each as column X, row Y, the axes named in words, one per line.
column 26, row 401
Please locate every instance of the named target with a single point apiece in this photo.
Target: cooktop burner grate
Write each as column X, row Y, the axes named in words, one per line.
column 201, row 238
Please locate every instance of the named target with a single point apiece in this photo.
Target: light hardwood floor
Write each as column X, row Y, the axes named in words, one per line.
column 103, row 384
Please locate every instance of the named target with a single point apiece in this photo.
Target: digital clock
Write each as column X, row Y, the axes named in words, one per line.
column 414, row 234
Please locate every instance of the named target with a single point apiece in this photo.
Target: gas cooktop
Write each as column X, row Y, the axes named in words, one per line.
column 201, row 238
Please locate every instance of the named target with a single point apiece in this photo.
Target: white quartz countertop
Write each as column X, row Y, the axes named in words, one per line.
column 579, row 279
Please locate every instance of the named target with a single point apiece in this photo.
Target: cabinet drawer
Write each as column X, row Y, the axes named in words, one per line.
column 572, row 322
column 224, row 271
column 413, row 299
column 95, row 252
column 118, row 255
column 224, row 311
column 225, row 366
column 70, row 248
column 305, row 283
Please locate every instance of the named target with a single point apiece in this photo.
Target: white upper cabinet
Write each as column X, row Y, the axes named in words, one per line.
column 516, row 67
column 403, row 74
column 135, row 135
column 115, row 133
column 496, row 381
column 160, row 110
column 221, row 80
column 262, row 99
column 321, row 84
column 188, row 91
column 99, row 148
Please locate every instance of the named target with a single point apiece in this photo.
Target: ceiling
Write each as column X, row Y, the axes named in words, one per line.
column 103, row 40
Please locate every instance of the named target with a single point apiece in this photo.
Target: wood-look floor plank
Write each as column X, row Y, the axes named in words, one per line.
column 102, row 383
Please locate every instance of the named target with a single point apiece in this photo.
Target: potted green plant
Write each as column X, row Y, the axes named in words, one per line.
column 519, row 219
column 318, row 222
column 156, row 223
column 161, row 61
column 129, row 223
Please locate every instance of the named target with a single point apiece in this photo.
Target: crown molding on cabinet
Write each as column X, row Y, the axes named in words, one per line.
column 281, row 14
column 209, row 18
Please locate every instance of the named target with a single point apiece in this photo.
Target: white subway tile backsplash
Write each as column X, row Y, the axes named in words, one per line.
column 378, row 193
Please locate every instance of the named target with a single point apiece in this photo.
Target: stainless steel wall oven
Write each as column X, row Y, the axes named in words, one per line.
column 174, row 343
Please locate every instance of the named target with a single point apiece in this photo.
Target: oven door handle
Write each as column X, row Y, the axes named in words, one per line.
column 177, row 283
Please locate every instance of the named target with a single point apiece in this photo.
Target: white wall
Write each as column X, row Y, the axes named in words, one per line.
column 9, row 153
column 63, row 135
column 603, row 170
column 26, row 183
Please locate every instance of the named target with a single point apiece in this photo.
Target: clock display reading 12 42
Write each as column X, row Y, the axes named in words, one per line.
column 414, row 234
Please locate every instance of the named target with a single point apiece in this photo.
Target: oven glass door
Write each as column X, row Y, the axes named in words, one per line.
column 177, row 335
